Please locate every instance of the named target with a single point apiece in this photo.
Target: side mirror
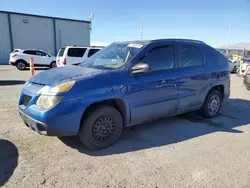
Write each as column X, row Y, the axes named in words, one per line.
column 140, row 68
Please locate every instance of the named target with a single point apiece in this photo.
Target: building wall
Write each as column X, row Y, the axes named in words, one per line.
column 72, row 33
column 5, row 44
column 37, row 33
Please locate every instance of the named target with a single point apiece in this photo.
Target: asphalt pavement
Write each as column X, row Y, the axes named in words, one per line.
column 182, row 151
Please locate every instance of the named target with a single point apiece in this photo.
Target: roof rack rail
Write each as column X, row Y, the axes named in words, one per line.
column 183, row 40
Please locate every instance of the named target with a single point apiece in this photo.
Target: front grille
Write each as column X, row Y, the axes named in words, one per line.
column 26, row 100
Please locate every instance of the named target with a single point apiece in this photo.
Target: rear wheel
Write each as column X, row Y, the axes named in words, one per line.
column 212, row 104
column 101, row 128
column 234, row 70
column 53, row 64
column 21, row 65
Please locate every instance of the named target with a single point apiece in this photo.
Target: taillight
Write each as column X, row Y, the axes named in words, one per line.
column 13, row 55
column 64, row 62
column 248, row 71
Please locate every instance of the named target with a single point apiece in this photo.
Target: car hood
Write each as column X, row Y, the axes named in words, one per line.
column 59, row 75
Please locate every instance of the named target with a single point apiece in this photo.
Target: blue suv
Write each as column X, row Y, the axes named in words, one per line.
column 124, row 84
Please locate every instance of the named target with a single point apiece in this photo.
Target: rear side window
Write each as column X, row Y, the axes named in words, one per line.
column 76, row 52
column 161, row 58
column 215, row 58
column 61, row 52
column 29, row 52
column 220, row 59
column 190, row 56
column 92, row 52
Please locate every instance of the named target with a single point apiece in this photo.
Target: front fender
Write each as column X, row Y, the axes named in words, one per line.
column 89, row 100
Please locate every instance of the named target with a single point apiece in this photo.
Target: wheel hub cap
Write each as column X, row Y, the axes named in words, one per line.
column 214, row 105
column 21, row 65
column 103, row 128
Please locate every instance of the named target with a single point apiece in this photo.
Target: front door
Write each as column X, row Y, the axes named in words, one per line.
column 41, row 58
column 154, row 94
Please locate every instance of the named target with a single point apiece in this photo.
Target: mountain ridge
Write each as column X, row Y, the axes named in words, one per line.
column 238, row 46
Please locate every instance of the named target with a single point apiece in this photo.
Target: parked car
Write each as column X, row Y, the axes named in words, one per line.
column 247, row 78
column 241, row 71
column 145, row 80
column 73, row 55
column 233, row 65
column 20, row 58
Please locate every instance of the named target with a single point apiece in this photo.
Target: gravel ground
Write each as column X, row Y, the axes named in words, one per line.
column 183, row 151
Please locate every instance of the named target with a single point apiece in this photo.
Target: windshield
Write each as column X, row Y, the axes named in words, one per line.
column 113, row 56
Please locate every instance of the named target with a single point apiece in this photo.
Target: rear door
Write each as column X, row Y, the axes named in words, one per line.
column 75, row 55
column 194, row 78
column 30, row 53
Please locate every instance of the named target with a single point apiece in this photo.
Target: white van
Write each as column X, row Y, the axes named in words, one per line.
column 73, row 55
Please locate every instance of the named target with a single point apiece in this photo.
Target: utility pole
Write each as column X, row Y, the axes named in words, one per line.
column 91, row 17
column 141, row 27
column 228, row 39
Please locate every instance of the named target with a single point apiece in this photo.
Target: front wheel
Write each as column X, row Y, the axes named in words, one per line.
column 212, row 104
column 248, row 88
column 101, row 128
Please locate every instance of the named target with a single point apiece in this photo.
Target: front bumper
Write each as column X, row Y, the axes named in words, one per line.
column 63, row 119
column 33, row 124
column 246, row 80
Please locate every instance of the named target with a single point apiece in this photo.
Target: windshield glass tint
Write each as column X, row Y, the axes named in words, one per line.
column 112, row 57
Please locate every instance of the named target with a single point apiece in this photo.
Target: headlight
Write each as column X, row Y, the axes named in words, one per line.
column 48, row 101
column 64, row 87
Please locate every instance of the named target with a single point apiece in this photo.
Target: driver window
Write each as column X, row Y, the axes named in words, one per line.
column 190, row 56
column 160, row 58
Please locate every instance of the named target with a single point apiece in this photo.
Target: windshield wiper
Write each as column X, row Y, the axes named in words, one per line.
column 102, row 67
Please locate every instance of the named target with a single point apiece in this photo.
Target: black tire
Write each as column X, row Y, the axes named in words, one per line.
column 101, row 127
column 53, row 64
column 238, row 71
column 212, row 96
column 248, row 88
column 21, row 65
column 234, row 70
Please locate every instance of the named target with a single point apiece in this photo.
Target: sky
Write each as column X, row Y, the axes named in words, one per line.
column 117, row 20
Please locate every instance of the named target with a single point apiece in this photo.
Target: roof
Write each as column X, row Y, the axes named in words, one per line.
column 40, row 16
